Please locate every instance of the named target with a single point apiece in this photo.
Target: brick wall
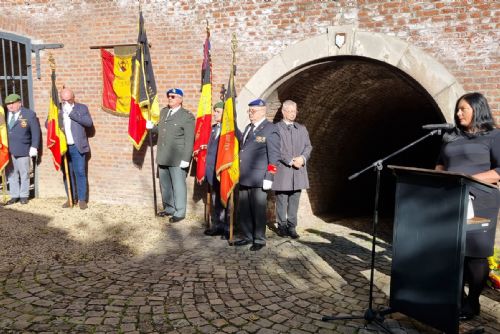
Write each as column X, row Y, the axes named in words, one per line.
column 462, row 35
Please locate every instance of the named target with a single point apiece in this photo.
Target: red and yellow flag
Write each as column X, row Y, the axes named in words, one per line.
column 203, row 125
column 56, row 139
column 4, row 144
column 116, row 74
column 144, row 101
column 228, row 160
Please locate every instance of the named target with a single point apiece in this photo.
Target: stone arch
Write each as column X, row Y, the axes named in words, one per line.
column 360, row 100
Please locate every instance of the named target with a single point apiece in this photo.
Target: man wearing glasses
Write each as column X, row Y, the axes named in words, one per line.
column 175, row 147
column 259, row 154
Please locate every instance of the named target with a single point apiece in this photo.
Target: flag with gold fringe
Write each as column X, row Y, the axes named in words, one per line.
column 144, row 101
column 203, row 125
column 228, row 161
column 56, row 139
column 116, row 75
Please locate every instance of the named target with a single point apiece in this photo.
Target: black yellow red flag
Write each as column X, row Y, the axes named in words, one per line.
column 228, row 161
column 144, row 101
column 204, row 116
column 56, row 139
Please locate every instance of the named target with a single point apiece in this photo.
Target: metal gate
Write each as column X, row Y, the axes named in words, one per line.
column 15, row 68
column 16, row 77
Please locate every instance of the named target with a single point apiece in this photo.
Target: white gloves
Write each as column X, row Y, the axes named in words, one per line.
column 184, row 164
column 150, row 125
column 267, row 184
column 33, row 152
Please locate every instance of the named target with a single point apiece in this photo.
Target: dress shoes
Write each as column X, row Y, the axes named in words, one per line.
column 175, row 219
column 213, row 232
column 293, row 234
column 282, row 231
column 164, row 214
column 83, row 205
column 12, row 201
column 242, row 242
column 256, row 247
column 24, row 200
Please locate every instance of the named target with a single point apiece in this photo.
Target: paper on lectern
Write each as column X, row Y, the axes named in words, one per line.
column 470, row 208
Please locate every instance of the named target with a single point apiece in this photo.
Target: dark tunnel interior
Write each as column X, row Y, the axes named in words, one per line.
column 358, row 111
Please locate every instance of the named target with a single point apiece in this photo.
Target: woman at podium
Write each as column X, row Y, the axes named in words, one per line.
column 473, row 148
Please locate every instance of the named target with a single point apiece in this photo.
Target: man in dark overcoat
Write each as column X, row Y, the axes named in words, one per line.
column 218, row 213
column 259, row 154
column 291, row 176
column 23, row 131
column 175, row 146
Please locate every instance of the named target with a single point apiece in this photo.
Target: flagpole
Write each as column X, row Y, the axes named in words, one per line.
column 4, row 186
column 208, row 206
column 231, row 219
column 68, row 180
column 155, row 205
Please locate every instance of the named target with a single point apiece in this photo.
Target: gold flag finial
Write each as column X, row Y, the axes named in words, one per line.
column 52, row 62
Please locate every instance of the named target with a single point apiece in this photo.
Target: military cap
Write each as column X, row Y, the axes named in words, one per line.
column 177, row 91
column 257, row 103
column 219, row 104
column 12, row 98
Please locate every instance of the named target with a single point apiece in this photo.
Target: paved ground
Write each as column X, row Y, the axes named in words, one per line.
column 201, row 285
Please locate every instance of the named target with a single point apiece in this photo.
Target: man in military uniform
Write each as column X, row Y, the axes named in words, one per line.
column 24, row 140
column 259, row 154
column 175, row 147
column 291, row 176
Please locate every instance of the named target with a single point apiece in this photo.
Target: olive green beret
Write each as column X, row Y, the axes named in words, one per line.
column 219, row 104
column 12, row 98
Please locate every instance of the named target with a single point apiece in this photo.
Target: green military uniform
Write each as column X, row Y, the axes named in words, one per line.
column 175, row 144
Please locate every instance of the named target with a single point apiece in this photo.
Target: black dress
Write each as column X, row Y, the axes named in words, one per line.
column 472, row 154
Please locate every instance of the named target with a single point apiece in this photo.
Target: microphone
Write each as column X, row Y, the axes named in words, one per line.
column 443, row 126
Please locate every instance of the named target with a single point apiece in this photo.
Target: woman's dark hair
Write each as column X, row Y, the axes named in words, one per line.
column 482, row 119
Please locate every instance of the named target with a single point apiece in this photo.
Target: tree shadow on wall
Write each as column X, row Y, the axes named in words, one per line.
column 138, row 156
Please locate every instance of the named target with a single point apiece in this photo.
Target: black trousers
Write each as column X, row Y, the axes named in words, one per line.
column 252, row 214
column 476, row 271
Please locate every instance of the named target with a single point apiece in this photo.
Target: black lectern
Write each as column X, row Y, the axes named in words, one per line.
column 430, row 223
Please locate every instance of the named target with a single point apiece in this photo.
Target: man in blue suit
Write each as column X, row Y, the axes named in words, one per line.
column 218, row 213
column 24, row 139
column 259, row 154
column 75, row 119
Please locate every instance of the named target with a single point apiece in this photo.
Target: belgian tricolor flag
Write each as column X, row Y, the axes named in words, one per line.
column 4, row 144
column 203, row 125
column 144, row 102
column 56, row 139
column 228, row 161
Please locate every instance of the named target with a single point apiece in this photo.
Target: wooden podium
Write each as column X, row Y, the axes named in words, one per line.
column 430, row 224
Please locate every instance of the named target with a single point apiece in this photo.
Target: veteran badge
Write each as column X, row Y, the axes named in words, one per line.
column 260, row 139
column 23, row 123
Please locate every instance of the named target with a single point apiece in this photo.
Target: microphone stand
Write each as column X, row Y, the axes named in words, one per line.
column 370, row 314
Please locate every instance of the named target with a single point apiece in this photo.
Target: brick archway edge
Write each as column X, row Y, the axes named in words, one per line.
column 423, row 68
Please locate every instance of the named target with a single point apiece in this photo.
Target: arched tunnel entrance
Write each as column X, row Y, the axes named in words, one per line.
column 358, row 110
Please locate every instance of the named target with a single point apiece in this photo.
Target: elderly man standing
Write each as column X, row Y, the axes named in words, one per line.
column 175, row 147
column 259, row 154
column 218, row 213
column 24, row 138
column 76, row 120
column 291, row 177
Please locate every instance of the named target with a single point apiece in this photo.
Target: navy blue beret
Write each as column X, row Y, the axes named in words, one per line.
column 257, row 103
column 177, row 91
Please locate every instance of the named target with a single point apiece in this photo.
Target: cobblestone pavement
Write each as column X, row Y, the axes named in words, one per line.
column 204, row 286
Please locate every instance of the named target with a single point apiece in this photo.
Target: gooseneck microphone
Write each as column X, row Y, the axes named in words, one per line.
column 443, row 126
